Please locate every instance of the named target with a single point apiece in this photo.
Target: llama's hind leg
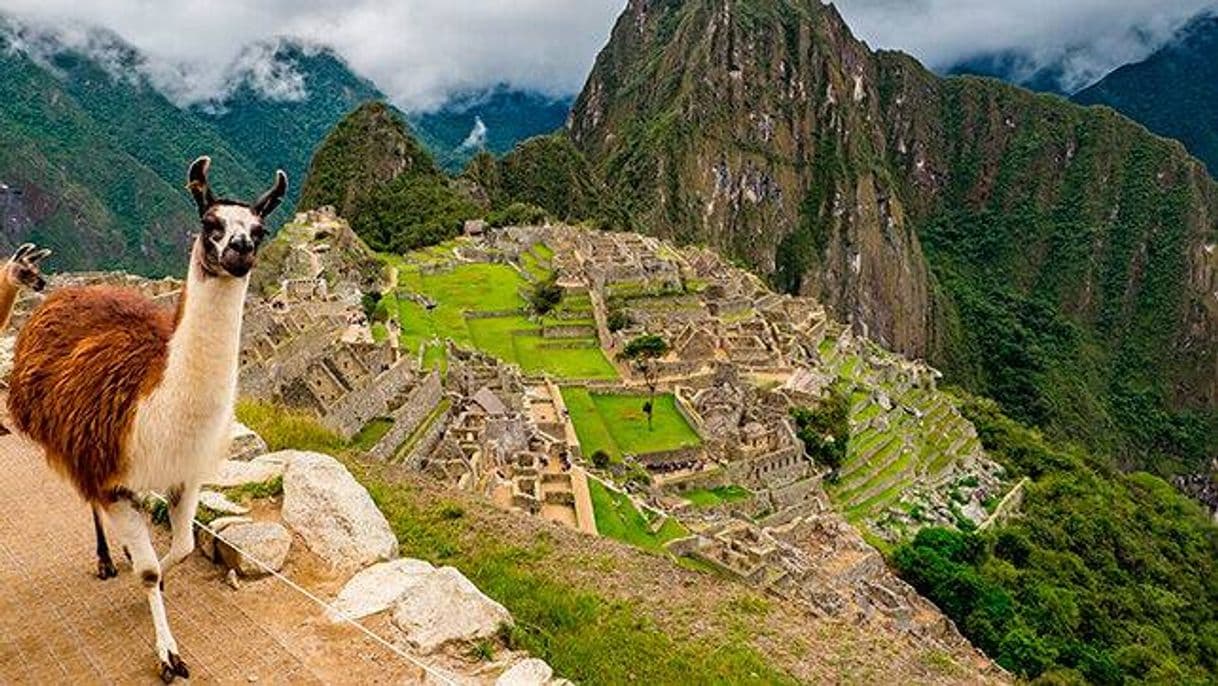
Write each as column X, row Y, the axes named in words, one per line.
column 183, row 503
column 132, row 530
column 105, row 565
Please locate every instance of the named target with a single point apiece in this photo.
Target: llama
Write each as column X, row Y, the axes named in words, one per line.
column 21, row 271
column 127, row 397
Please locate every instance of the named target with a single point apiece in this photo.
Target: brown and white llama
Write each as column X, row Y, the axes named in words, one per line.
column 128, row 397
column 20, row 272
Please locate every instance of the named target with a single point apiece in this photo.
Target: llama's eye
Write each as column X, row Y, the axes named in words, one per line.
column 212, row 227
column 257, row 233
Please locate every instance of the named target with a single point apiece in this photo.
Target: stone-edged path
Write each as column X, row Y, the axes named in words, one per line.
column 60, row 624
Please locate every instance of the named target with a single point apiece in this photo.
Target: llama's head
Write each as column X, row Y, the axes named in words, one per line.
column 22, row 270
column 231, row 230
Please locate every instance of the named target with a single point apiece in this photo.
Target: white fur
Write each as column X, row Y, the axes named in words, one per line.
column 181, row 429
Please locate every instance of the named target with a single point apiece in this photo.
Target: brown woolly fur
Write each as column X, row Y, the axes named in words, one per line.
column 82, row 363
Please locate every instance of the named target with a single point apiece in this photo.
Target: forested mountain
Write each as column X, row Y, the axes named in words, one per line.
column 1174, row 92
column 96, row 158
column 1057, row 258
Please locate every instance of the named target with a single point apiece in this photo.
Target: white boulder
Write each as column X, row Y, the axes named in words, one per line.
column 447, row 608
column 218, row 502
column 333, row 513
column 378, row 587
column 528, row 672
column 233, row 473
column 245, row 545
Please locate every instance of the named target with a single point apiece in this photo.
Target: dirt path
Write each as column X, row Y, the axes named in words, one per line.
column 59, row 624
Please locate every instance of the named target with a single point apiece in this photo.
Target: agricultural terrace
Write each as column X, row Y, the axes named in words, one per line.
column 617, row 424
column 480, row 305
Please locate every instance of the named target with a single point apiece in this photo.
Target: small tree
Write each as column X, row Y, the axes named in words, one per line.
column 600, row 459
column 825, row 429
column 642, row 352
column 546, row 296
column 617, row 319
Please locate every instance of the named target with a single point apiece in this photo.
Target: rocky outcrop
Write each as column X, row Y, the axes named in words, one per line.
column 445, row 607
column 334, row 515
column 378, row 587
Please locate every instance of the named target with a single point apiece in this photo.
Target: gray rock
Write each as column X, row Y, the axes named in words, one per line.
column 245, row 444
column 447, row 608
column 334, row 514
column 378, row 587
column 528, row 672
column 266, row 542
column 207, row 542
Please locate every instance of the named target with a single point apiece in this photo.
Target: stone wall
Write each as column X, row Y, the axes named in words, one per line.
column 421, row 402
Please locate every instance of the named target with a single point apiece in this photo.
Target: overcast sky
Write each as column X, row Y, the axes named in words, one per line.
column 418, row 51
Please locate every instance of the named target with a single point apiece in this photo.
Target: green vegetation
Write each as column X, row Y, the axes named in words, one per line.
column 374, row 172
column 372, row 432
column 615, row 423
column 586, row 634
column 710, row 497
column 618, row 518
column 1109, row 577
column 467, row 289
column 284, row 429
column 825, row 429
column 545, row 296
column 643, row 352
column 244, row 493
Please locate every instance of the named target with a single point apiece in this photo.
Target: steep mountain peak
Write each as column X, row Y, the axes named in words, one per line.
column 944, row 218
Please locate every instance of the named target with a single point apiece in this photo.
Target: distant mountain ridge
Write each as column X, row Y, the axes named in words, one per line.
column 94, row 149
column 1174, row 92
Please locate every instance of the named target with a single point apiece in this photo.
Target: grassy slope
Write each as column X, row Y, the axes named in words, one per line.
column 604, row 613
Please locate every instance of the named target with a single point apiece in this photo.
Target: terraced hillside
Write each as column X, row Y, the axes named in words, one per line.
column 913, row 459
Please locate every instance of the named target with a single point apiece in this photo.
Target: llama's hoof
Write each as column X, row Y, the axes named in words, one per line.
column 173, row 668
column 106, row 570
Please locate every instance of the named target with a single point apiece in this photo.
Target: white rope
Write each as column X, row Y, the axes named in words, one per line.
column 331, row 610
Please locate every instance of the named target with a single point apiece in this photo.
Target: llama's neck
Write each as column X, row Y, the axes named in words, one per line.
column 205, row 348
column 8, row 298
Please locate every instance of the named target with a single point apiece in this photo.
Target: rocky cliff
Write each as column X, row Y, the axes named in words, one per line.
column 1058, row 258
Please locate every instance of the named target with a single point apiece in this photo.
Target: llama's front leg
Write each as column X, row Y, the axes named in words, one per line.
column 132, row 530
column 183, row 503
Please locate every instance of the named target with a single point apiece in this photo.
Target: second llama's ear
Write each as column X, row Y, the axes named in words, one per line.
column 196, row 181
column 271, row 199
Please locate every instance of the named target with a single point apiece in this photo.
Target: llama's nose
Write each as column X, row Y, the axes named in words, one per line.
column 242, row 245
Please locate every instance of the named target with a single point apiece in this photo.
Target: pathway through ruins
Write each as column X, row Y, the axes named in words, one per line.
column 60, row 624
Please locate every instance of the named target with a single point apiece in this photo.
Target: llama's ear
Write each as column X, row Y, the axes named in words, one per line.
column 23, row 250
column 38, row 255
column 196, row 181
column 271, row 199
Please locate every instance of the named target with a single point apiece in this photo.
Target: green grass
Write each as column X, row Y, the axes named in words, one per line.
column 617, row 424
column 709, row 497
column 584, row 634
column 372, row 432
column 618, row 518
column 488, row 288
column 285, row 429
column 627, row 423
column 272, row 488
column 589, row 428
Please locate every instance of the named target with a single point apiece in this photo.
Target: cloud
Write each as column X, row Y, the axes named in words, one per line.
column 422, row 51
column 1086, row 38
column 476, row 137
column 417, row 51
